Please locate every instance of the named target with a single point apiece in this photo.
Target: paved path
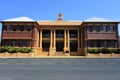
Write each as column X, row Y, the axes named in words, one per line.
column 59, row 69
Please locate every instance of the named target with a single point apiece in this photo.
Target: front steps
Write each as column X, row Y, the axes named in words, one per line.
column 59, row 54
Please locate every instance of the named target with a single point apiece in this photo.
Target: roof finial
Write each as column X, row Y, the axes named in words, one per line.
column 60, row 16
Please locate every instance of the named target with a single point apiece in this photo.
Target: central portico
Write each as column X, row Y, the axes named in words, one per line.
column 58, row 37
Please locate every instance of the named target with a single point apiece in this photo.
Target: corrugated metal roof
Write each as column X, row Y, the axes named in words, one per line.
column 19, row 19
column 98, row 19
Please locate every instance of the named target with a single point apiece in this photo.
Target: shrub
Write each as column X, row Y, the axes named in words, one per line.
column 25, row 50
column 12, row 50
column 95, row 51
column 105, row 51
column 116, row 51
column 2, row 50
column 90, row 51
column 6, row 48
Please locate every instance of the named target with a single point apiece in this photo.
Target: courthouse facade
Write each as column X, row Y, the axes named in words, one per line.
column 60, row 38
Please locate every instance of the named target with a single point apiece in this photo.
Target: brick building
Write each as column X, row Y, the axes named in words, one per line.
column 71, row 38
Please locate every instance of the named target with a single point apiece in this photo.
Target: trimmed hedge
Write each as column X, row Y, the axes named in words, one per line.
column 15, row 50
column 25, row 50
column 2, row 50
column 104, row 51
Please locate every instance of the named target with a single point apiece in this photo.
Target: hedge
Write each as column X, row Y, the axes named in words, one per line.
column 15, row 50
column 104, row 51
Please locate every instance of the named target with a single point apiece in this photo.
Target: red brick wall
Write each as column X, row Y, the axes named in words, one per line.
column 17, row 35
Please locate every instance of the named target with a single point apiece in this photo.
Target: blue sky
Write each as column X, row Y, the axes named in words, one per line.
column 49, row 9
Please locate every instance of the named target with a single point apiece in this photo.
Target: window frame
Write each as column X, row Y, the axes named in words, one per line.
column 21, row 42
column 113, row 44
column 91, row 43
column 28, row 27
column 7, row 27
column 73, row 33
column 98, row 43
column 104, row 28
column 97, row 28
column 6, row 42
column 14, row 26
column 13, row 43
column 111, row 28
column 90, row 28
column 105, row 44
column 46, row 33
column 27, row 43
column 22, row 27
column 59, row 33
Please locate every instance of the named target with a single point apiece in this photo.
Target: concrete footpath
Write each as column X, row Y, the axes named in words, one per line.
column 60, row 57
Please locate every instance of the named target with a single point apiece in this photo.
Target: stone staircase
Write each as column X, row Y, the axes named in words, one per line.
column 59, row 54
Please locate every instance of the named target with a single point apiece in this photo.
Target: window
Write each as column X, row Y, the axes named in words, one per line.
column 29, row 28
column 59, row 33
column 13, row 43
column 104, row 28
column 28, row 43
column 20, row 43
column 14, row 27
column 90, row 28
column 7, row 28
column 111, row 29
column 73, row 34
column 113, row 44
column 46, row 33
column 45, row 45
column 105, row 44
column 6, row 43
column 97, row 28
column 21, row 28
column 91, row 43
column 98, row 43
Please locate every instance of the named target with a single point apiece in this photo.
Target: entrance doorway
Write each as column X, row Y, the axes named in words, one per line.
column 59, row 46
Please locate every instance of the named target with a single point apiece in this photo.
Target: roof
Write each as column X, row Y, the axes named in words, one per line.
column 19, row 19
column 59, row 22
column 98, row 19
